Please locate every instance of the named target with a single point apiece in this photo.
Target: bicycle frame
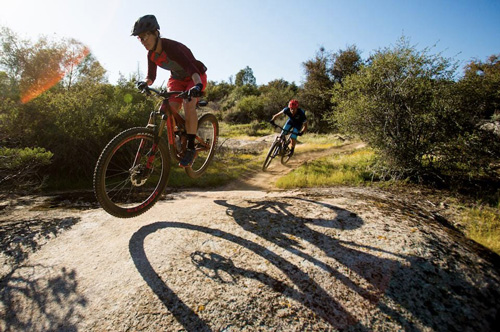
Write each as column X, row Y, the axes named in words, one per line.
column 284, row 136
column 173, row 120
column 169, row 116
column 170, row 119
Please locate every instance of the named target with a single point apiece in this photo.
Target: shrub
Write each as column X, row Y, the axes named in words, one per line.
column 20, row 167
column 401, row 104
column 247, row 109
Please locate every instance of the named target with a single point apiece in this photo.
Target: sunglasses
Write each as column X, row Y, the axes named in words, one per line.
column 143, row 38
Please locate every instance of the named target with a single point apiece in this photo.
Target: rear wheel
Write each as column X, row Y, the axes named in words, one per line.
column 123, row 183
column 205, row 145
column 273, row 152
column 285, row 157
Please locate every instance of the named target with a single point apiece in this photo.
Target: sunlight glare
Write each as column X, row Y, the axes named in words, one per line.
column 46, row 80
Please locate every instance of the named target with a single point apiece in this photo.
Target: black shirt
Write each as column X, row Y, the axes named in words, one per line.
column 298, row 119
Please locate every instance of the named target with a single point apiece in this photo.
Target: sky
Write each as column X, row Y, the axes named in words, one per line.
column 272, row 37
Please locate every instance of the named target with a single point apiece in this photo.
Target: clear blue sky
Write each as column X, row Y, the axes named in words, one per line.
column 273, row 37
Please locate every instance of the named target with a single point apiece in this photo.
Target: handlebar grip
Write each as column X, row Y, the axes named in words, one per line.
column 146, row 91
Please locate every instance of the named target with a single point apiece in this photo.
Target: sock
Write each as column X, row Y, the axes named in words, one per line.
column 191, row 138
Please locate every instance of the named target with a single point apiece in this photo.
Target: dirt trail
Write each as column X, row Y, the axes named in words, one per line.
column 259, row 180
column 246, row 258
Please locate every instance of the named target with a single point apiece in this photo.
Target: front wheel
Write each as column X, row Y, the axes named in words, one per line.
column 131, row 173
column 273, row 152
column 205, row 145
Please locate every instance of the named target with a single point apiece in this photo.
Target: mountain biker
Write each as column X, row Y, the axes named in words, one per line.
column 186, row 73
column 296, row 119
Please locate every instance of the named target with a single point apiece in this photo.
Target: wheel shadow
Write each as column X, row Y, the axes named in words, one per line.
column 333, row 313
column 273, row 221
column 435, row 292
column 397, row 287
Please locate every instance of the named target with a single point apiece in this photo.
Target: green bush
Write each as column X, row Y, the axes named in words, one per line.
column 74, row 124
column 252, row 106
column 20, row 168
column 401, row 103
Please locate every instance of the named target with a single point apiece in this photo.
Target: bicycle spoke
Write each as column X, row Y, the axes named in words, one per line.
column 124, row 184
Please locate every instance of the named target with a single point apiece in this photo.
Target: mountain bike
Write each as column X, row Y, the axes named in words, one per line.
column 280, row 146
column 133, row 169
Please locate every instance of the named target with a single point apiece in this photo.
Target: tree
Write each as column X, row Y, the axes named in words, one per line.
column 477, row 148
column 35, row 68
column 215, row 91
column 41, row 69
column 276, row 95
column 245, row 77
column 86, row 70
column 12, row 55
column 248, row 109
column 316, row 95
column 9, row 90
column 68, row 124
column 245, row 86
column 481, row 87
column 345, row 63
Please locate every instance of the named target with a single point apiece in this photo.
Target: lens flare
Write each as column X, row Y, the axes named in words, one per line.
column 46, row 80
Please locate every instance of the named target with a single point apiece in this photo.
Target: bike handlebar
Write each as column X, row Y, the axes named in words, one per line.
column 167, row 94
column 278, row 126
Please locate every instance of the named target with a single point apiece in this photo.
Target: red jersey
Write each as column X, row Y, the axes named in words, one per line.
column 176, row 58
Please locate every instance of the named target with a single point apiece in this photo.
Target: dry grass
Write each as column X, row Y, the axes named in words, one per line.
column 483, row 226
column 340, row 169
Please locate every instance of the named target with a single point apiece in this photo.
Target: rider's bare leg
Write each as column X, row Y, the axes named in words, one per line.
column 176, row 106
column 191, row 116
column 292, row 148
column 191, row 127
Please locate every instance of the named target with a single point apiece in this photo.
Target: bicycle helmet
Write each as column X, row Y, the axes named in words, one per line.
column 145, row 23
column 294, row 103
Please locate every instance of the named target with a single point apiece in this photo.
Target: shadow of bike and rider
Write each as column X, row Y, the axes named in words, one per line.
column 258, row 217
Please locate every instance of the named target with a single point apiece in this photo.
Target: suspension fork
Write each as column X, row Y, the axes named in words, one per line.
column 278, row 146
column 156, row 137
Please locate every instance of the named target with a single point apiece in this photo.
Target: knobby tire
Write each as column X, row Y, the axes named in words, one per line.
column 123, row 189
column 271, row 154
column 205, row 144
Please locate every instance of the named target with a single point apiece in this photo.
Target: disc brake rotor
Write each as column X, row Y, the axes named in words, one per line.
column 139, row 175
